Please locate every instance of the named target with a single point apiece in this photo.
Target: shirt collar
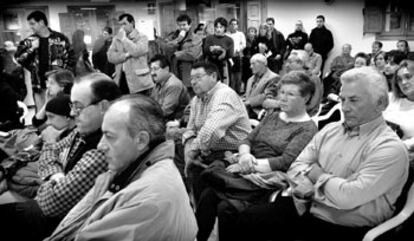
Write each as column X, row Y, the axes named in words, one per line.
column 211, row 92
column 162, row 83
column 363, row 129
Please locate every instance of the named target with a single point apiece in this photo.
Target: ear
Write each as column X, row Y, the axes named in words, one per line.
column 142, row 139
column 382, row 103
column 104, row 105
column 308, row 99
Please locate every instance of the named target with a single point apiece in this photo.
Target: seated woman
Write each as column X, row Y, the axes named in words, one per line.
column 400, row 110
column 58, row 82
column 272, row 145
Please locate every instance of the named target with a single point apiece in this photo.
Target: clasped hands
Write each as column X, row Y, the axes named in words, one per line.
column 243, row 164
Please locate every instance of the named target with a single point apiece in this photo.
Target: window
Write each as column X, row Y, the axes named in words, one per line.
column 389, row 19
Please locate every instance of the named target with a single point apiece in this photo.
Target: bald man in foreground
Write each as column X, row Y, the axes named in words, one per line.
column 142, row 196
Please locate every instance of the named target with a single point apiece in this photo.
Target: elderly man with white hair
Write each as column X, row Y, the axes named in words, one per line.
column 347, row 179
column 256, row 85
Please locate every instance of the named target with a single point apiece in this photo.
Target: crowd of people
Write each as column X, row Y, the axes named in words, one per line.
column 158, row 141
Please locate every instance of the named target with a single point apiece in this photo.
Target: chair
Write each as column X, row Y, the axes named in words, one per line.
column 23, row 106
column 407, row 203
column 333, row 115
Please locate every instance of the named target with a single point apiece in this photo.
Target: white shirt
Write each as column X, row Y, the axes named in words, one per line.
column 239, row 41
column 401, row 112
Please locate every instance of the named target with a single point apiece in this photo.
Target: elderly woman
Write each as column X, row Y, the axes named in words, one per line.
column 272, row 145
column 401, row 108
column 58, row 82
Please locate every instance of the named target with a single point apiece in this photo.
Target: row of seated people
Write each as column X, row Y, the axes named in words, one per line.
column 218, row 122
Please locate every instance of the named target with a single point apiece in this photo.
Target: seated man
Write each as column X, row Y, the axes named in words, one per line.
column 314, row 61
column 68, row 168
column 218, row 122
column 339, row 65
column 130, row 202
column 347, row 179
column 256, row 85
column 168, row 91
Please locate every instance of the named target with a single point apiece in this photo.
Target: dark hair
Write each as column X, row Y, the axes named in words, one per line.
column 234, row 20
column 364, row 56
column 222, row 21
column 321, row 17
column 379, row 43
column 384, row 54
column 394, row 82
column 107, row 29
column 37, row 16
column 395, row 56
column 200, row 27
column 184, row 17
column 407, row 47
column 301, row 79
column 64, row 78
column 128, row 16
column 102, row 86
column 208, row 67
column 162, row 59
column 270, row 19
column 145, row 114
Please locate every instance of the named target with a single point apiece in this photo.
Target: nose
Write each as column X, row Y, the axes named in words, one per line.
column 102, row 145
column 345, row 106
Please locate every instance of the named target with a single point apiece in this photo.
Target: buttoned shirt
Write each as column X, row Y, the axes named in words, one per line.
column 218, row 120
column 239, row 42
column 56, row 198
column 172, row 95
column 364, row 168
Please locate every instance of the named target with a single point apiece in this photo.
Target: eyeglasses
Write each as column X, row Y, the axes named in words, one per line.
column 77, row 109
column 155, row 68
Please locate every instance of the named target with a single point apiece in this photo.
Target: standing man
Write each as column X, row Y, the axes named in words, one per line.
column 185, row 48
column 321, row 39
column 279, row 43
column 100, row 48
column 239, row 40
column 129, row 52
column 218, row 122
column 142, row 196
column 43, row 51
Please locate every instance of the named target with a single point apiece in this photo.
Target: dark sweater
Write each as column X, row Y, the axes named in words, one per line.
column 278, row 141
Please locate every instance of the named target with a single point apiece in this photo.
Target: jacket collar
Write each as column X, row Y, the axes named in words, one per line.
column 159, row 151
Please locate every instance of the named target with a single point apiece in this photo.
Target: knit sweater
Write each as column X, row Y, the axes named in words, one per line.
column 279, row 141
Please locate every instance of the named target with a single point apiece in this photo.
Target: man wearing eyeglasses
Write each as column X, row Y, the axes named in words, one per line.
column 68, row 168
column 218, row 122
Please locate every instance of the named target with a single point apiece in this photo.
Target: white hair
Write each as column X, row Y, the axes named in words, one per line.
column 259, row 58
column 374, row 82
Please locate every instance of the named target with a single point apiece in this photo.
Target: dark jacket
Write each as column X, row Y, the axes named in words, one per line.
column 322, row 41
column 297, row 40
column 61, row 55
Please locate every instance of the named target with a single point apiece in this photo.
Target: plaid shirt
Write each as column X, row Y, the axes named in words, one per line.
column 219, row 120
column 56, row 198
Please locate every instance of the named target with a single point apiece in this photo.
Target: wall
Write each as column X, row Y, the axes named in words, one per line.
column 343, row 17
